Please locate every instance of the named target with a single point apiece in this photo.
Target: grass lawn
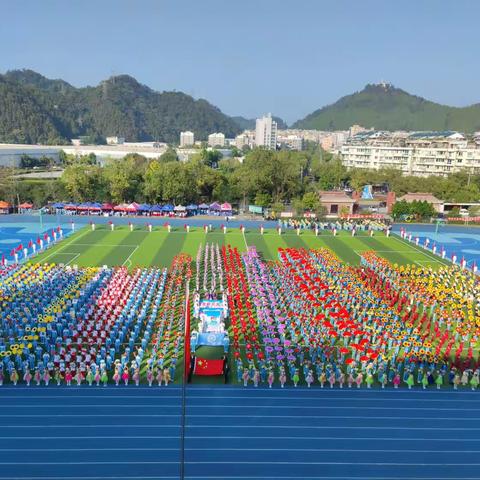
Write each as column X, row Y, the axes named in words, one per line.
column 143, row 249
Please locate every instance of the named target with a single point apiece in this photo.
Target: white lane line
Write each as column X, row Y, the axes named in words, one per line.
column 115, row 437
column 216, row 462
column 217, row 406
column 337, row 427
column 316, row 450
column 233, row 415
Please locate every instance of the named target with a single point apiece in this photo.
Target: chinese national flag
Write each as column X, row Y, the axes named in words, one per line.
column 204, row 366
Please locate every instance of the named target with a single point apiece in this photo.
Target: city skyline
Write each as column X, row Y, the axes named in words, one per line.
column 289, row 62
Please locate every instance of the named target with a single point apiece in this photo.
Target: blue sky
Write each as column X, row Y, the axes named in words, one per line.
column 252, row 56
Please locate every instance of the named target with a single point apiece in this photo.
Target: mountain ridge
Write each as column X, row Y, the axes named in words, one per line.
column 385, row 107
column 35, row 109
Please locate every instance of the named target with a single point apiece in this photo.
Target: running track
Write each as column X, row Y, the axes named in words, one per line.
column 235, row 433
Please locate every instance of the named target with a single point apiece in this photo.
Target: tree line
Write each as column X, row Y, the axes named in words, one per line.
column 265, row 178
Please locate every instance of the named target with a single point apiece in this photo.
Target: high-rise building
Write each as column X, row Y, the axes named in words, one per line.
column 187, row 139
column 266, row 132
column 216, row 140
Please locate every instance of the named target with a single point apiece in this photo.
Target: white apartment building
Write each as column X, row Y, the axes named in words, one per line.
column 266, row 132
column 216, row 140
column 292, row 142
column 421, row 154
column 187, row 139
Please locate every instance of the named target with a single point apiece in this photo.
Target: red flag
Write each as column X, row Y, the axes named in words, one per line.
column 12, row 253
column 3, row 259
column 30, row 244
column 45, row 236
column 186, row 368
column 53, row 233
column 19, row 248
column 204, row 366
column 58, row 229
column 39, row 240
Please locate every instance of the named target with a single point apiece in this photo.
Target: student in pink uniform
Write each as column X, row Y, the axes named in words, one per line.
column 359, row 379
column 282, row 377
column 46, row 377
column 97, row 377
column 136, row 377
column 309, row 378
column 125, row 376
column 341, row 380
column 256, row 378
column 331, row 379
column 37, row 377
column 68, row 377
column 116, row 377
column 351, row 380
column 396, row 380
column 159, row 377
column 79, row 377
column 27, row 378
column 149, row 377
column 270, row 378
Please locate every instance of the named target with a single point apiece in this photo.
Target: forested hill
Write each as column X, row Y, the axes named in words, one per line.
column 249, row 123
column 34, row 109
column 385, row 107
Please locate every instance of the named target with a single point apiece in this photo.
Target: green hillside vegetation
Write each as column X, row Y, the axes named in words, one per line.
column 385, row 107
column 34, row 109
column 249, row 123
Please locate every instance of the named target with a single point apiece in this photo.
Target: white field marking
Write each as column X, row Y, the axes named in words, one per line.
column 245, row 240
column 73, row 259
column 105, row 245
column 130, row 256
column 421, row 250
column 427, row 261
column 63, row 245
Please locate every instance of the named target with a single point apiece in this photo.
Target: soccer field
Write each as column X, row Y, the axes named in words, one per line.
column 157, row 248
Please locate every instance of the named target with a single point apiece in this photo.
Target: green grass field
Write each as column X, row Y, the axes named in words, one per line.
column 143, row 249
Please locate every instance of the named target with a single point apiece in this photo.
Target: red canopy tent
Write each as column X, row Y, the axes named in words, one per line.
column 25, row 206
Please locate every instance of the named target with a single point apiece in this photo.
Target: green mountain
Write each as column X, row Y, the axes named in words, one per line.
column 34, row 109
column 385, row 107
column 249, row 123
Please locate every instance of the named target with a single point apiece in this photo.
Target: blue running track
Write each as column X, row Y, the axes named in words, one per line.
column 241, row 434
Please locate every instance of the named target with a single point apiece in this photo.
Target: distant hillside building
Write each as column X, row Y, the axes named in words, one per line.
column 417, row 153
column 266, row 132
column 115, row 140
column 187, row 139
column 216, row 140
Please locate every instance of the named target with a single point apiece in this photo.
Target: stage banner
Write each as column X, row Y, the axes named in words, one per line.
column 204, row 366
column 212, row 339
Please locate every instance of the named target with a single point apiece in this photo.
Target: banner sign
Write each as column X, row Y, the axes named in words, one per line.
column 255, row 209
